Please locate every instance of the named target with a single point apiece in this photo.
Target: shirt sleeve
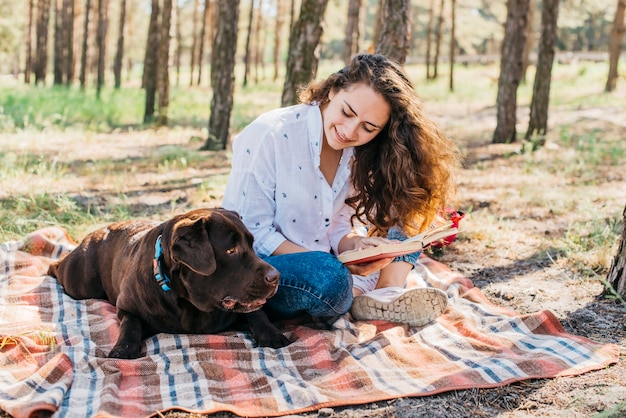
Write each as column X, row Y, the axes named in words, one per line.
column 251, row 186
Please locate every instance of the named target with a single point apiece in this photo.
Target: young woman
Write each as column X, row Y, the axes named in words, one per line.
column 358, row 154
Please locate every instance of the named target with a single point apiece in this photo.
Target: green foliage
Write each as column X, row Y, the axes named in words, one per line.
column 584, row 153
column 15, row 166
column 21, row 215
column 592, row 234
column 188, row 106
column 586, row 243
column 175, row 158
column 253, row 100
column 27, row 107
column 618, row 411
column 594, row 148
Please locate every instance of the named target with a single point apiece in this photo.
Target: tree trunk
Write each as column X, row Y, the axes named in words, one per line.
column 194, row 41
column 93, row 47
column 452, row 41
column 41, row 62
column 395, row 30
column 303, row 56
column 429, row 37
column 163, row 72
column 103, row 22
column 510, row 70
column 82, row 78
column 351, row 41
column 247, row 52
column 59, row 43
column 615, row 45
column 541, row 88
column 529, row 44
column 592, row 24
column 280, row 21
column 203, row 34
column 179, row 41
column 223, row 74
column 119, row 54
column 259, row 44
column 28, row 68
column 617, row 272
column 438, row 36
column 212, row 19
column 151, row 63
column 130, row 36
column 292, row 15
column 376, row 32
column 70, row 16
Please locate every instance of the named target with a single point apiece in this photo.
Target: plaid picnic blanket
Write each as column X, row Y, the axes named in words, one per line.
column 52, row 352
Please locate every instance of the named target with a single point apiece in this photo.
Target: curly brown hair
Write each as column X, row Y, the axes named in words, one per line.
column 405, row 175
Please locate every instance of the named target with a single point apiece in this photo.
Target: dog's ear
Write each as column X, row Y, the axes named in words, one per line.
column 190, row 246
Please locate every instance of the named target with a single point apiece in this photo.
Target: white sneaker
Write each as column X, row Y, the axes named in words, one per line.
column 416, row 307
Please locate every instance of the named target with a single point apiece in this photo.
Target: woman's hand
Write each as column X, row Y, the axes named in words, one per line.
column 369, row 268
column 353, row 242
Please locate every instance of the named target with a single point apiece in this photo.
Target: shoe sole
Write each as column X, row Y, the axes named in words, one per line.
column 415, row 307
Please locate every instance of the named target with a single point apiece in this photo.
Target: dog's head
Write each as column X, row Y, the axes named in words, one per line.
column 209, row 256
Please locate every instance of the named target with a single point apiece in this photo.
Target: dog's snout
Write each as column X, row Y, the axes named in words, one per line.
column 272, row 276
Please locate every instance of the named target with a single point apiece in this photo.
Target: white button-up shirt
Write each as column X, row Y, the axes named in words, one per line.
column 277, row 187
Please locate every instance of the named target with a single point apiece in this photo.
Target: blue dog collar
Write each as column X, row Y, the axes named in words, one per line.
column 160, row 277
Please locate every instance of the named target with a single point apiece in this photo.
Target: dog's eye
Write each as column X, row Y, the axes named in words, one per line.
column 232, row 250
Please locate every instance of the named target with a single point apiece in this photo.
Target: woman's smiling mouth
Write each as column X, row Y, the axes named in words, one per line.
column 341, row 138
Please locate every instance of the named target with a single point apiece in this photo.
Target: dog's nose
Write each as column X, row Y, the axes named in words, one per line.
column 272, row 276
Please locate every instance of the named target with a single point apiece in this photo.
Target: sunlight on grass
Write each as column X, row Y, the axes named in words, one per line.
column 18, row 166
column 594, row 147
column 30, row 107
column 592, row 244
column 21, row 215
column 487, row 227
column 211, row 191
column 254, row 100
column 581, row 154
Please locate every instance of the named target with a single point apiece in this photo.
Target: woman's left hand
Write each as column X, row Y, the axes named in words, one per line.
column 369, row 268
column 361, row 243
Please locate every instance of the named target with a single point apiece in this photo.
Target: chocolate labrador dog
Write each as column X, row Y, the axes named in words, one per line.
column 195, row 273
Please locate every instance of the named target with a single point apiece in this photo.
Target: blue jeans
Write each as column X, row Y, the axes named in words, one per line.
column 412, row 258
column 313, row 283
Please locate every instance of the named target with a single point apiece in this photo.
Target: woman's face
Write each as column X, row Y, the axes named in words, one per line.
column 354, row 116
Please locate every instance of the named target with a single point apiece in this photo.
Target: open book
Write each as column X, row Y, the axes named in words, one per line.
column 411, row 245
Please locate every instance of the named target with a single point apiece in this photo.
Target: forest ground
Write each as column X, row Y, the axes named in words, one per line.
column 523, row 210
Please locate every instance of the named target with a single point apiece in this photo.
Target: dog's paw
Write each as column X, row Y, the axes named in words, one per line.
column 125, row 351
column 264, row 332
column 274, row 340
